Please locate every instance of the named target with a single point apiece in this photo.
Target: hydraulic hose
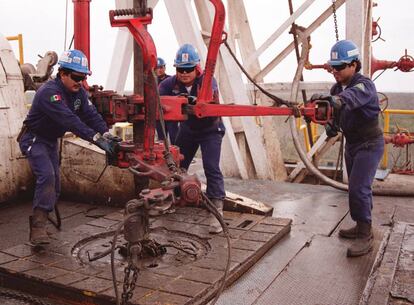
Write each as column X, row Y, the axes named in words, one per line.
column 409, row 191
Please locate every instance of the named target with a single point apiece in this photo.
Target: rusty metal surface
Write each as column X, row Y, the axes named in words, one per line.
column 14, row 219
column 63, row 264
column 310, row 207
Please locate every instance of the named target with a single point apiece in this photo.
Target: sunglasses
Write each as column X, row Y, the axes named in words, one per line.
column 77, row 78
column 185, row 70
column 340, row 67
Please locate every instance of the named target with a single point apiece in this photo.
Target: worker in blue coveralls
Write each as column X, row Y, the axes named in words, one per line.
column 355, row 102
column 206, row 133
column 171, row 127
column 60, row 105
column 160, row 70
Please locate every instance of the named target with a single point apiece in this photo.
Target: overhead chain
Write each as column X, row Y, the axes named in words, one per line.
column 129, row 282
column 335, row 19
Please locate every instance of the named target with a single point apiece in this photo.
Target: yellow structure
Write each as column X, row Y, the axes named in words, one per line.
column 19, row 38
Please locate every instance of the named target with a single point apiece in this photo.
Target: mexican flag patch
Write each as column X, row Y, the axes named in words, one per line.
column 55, row 98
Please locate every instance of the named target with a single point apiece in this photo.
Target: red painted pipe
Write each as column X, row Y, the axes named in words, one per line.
column 206, row 93
column 381, row 64
column 82, row 27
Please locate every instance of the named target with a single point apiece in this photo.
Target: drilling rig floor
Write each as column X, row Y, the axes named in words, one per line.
column 73, row 267
column 308, row 266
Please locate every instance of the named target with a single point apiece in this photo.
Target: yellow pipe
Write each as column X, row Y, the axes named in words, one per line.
column 386, row 130
column 398, row 111
column 21, row 49
column 19, row 38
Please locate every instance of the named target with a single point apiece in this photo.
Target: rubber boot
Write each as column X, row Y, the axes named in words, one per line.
column 38, row 234
column 364, row 241
column 215, row 227
column 350, row 233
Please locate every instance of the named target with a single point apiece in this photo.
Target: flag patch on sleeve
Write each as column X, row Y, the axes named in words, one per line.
column 55, row 98
column 360, row 86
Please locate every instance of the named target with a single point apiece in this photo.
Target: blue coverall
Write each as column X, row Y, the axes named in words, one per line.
column 171, row 127
column 206, row 133
column 364, row 141
column 55, row 111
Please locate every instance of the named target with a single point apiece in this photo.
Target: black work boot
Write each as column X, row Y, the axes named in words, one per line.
column 363, row 242
column 350, row 233
column 38, row 234
column 215, row 227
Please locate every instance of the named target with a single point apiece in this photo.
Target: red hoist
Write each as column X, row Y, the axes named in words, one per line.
column 159, row 160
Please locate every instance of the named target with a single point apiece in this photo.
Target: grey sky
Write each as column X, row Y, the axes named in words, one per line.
column 42, row 24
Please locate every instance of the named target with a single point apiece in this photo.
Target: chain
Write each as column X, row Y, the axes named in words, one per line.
column 129, row 284
column 335, row 20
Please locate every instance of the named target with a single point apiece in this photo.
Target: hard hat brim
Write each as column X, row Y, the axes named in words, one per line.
column 338, row 62
column 186, row 65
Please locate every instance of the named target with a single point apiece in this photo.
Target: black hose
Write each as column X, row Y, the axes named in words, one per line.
column 278, row 101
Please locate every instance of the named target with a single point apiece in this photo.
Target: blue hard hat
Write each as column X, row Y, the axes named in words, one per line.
column 74, row 60
column 160, row 62
column 186, row 57
column 343, row 52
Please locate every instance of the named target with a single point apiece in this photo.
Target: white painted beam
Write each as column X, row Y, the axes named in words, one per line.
column 285, row 25
column 325, row 15
column 253, row 133
column 355, row 23
column 187, row 31
column 240, row 29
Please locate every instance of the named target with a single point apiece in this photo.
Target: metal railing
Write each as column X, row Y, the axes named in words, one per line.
column 386, row 116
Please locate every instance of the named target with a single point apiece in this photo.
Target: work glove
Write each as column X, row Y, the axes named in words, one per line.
column 331, row 130
column 334, row 101
column 107, row 145
column 109, row 136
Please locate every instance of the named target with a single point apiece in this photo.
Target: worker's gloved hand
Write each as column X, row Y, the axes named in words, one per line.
column 333, row 100
column 107, row 145
column 331, row 130
column 109, row 136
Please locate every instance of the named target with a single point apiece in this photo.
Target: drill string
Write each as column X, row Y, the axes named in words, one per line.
column 213, row 210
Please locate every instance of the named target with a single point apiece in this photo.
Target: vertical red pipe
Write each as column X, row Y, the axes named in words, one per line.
column 82, row 27
column 206, row 93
